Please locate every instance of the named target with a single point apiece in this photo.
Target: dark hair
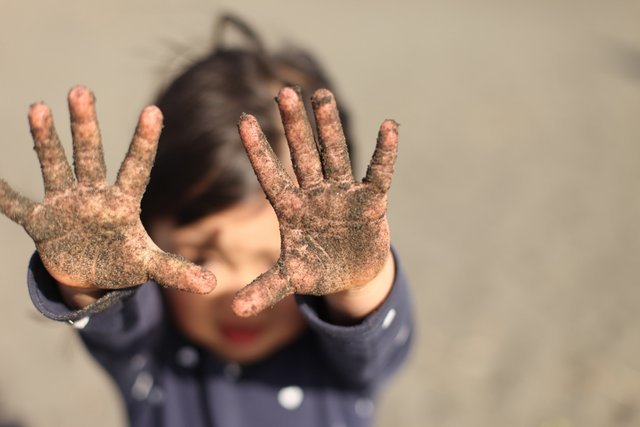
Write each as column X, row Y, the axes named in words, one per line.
column 201, row 166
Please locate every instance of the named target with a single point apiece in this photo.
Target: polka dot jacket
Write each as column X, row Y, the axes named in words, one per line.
column 329, row 377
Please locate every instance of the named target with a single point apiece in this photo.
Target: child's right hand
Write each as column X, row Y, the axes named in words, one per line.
column 88, row 233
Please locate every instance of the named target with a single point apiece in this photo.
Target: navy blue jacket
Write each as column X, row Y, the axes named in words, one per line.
column 328, row 377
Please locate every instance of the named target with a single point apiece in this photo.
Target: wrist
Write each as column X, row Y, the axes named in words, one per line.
column 352, row 305
column 77, row 298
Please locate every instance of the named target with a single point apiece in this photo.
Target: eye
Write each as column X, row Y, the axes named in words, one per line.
column 204, row 253
column 199, row 260
column 187, row 252
column 205, row 257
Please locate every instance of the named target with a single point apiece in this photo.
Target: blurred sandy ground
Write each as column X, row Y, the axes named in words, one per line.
column 515, row 205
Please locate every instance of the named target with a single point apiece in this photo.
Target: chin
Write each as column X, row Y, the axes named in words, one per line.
column 245, row 354
column 245, row 358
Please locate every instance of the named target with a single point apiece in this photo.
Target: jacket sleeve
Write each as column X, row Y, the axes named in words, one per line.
column 121, row 319
column 367, row 353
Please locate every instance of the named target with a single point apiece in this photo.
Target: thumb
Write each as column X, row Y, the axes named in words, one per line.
column 176, row 272
column 14, row 205
column 266, row 290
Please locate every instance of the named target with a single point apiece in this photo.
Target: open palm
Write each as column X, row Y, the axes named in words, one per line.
column 334, row 231
column 88, row 233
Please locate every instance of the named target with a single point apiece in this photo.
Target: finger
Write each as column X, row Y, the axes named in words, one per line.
column 335, row 157
column 136, row 167
column 302, row 145
column 272, row 176
column 384, row 157
column 262, row 293
column 56, row 172
column 87, row 148
column 175, row 272
column 14, row 205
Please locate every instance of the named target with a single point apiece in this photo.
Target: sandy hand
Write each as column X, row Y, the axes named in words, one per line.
column 334, row 231
column 88, row 233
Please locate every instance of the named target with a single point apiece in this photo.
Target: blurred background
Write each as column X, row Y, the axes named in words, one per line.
column 514, row 208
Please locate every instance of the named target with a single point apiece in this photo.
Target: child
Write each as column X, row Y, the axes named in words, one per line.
column 326, row 316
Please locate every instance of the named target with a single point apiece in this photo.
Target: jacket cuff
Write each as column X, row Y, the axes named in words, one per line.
column 313, row 308
column 47, row 299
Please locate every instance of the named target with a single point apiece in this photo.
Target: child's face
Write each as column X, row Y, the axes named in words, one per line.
column 237, row 245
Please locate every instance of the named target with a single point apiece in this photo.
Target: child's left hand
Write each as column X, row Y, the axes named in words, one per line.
column 334, row 231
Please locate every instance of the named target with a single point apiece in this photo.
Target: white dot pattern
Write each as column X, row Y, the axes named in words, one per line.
column 142, row 386
column 80, row 323
column 138, row 361
column 290, row 397
column 187, row 357
column 364, row 408
column 402, row 336
column 388, row 319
